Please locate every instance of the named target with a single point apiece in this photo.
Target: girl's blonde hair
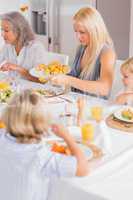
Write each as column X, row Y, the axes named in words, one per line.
column 128, row 64
column 25, row 118
column 93, row 22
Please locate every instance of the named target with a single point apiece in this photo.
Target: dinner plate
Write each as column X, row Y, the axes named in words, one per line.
column 49, row 71
column 50, row 92
column 87, row 150
column 118, row 114
column 38, row 73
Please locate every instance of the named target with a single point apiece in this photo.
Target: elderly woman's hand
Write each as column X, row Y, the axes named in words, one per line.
column 60, row 79
column 9, row 67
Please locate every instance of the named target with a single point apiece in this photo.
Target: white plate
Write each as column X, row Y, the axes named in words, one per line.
column 119, row 116
column 37, row 73
column 3, row 74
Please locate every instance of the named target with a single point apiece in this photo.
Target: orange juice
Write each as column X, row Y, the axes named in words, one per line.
column 96, row 113
column 2, row 125
column 87, row 131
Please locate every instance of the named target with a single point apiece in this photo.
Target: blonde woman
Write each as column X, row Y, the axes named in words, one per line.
column 26, row 161
column 93, row 67
column 22, row 51
column 126, row 95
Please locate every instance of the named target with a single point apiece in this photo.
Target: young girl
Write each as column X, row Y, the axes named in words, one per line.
column 26, row 162
column 126, row 96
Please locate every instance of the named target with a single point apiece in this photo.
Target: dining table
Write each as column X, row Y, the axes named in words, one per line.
column 111, row 173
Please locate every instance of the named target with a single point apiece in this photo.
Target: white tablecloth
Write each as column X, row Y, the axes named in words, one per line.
column 112, row 178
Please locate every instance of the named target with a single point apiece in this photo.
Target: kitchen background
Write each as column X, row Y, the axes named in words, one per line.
column 52, row 21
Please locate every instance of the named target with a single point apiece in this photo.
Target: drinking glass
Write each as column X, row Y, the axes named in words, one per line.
column 96, row 109
column 87, row 132
column 97, row 113
column 68, row 117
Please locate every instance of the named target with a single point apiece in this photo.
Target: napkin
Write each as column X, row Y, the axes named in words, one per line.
column 102, row 137
column 75, row 131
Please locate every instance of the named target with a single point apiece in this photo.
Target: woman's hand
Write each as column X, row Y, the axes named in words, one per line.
column 124, row 98
column 9, row 67
column 60, row 79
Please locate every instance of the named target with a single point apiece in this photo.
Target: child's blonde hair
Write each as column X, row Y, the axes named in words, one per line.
column 25, row 118
column 128, row 64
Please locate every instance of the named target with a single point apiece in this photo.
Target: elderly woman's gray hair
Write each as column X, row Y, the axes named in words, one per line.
column 20, row 27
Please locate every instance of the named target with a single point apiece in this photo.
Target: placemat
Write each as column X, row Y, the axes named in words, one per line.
column 112, row 122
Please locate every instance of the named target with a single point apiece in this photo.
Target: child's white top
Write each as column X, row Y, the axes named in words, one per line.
column 26, row 169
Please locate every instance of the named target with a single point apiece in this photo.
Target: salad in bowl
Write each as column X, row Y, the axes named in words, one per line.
column 5, row 92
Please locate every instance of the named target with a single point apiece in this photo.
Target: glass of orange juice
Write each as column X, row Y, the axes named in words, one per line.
column 97, row 113
column 87, row 131
column 2, row 125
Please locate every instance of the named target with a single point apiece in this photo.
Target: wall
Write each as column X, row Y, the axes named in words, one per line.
column 68, row 41
column 131, row 30
column 116, row 14
column 5, row 7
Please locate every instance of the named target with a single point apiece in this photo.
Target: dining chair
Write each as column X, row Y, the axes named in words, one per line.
column 52, row 56
column 117, row 82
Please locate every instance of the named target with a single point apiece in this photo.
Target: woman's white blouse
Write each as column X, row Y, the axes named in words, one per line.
column 26, row 170
column 30, row 56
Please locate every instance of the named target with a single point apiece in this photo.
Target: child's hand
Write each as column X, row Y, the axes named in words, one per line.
column 60, row 79
column 124, row 98
column 59, row 130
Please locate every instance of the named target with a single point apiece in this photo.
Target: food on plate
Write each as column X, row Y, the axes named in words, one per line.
column 127, row 114
column 4, row 86
column 5, row 92
column 41, row 67
column 45, row 92
column 43, row 79
column 53, row 68
column 60, row 148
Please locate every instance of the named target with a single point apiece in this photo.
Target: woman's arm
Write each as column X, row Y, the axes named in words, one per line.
column 101, row 86
column 124, row 98
column 22, row 71
column 25, row 73
column 82, row 163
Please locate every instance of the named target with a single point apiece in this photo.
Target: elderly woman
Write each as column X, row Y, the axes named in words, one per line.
column 93, row 67
column 21, row 51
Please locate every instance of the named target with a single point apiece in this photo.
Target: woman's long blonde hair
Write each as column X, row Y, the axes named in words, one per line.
column 25, row 118
column 93, row 22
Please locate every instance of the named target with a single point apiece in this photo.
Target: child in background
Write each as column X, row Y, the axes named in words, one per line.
column 26, row 162
column 126, row 96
